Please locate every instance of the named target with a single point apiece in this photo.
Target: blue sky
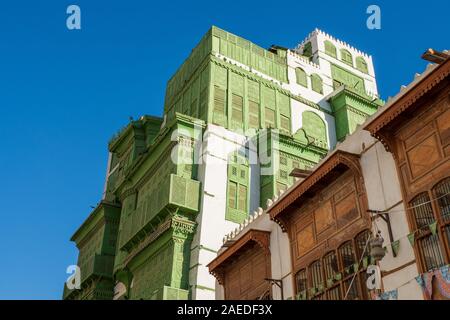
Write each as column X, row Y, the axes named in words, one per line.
column 64, row 93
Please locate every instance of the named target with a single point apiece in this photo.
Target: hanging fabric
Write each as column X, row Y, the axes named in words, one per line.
column 395, row 246
column 442, row 277
column 388, row 295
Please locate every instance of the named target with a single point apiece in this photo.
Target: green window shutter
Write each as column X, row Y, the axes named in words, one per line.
column 330, row 49
column 219, row 113
column 285, row 123
column 237, row 112
column 269, row 115
column 253, row 114
column 232, row 188
column 301, row 77
column 346, row 57
column 316, row 83
column 242, row 203
column 238, row 181
column 234, row 171
column 243, row 175
column 361, row 64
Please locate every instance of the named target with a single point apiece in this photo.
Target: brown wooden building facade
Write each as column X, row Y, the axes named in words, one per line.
column 416, row 130
column 244, row 267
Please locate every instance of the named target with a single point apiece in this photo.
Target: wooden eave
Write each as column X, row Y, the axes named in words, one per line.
column 260, row 237
column 403, row 105
column 334, row 166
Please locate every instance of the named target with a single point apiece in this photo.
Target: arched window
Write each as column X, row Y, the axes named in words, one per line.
column 317, row 283
column 428, row 244
column 330, row 49
column 363, row 255
column 361, row 64
column 348, row 260
column 301, row 77
column 316, row 83
column 338, row 273
column 331, row 268
column 442, row 192
column 346, row 57
column 314, row 127
column 301, row 281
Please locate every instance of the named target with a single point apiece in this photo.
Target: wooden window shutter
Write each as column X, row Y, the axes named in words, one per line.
column 253, row 114
column 242, row 204
column 232, row 194
column 269, row 117
column 285, row 125
column 220, row 108
column 237, row 111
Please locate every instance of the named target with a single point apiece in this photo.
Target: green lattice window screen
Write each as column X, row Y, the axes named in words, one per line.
column 269, row 116
column 220, row 106
column 242, row 196
column 341, row 76
column 330, row 49
column 249, row 54
column 316, row 83
column 285, row 123
column 237, row 112
column 284, row 108
column 253, row 114
column 301, row 77
column 283, row 173
column 346, row 57
column 237, row 193
column 361, row 64
column 232, row 187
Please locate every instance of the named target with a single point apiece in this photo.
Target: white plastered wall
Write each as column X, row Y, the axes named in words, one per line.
column 218, row 144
